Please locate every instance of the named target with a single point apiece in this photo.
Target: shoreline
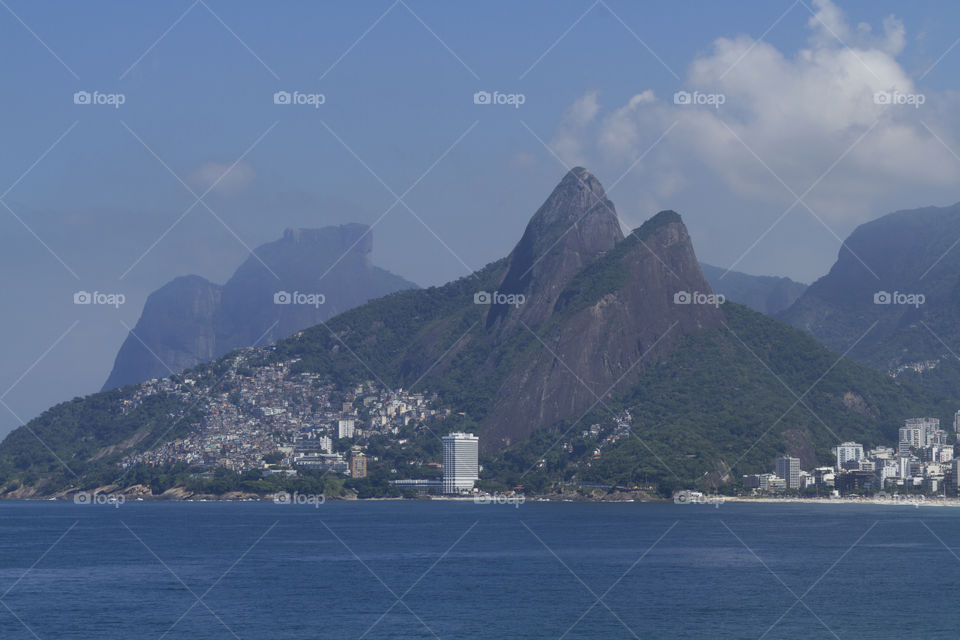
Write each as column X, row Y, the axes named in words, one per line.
column 706, row 500
column 894, row 501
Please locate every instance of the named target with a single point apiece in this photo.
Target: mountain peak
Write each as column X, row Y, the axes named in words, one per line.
column 575, row 225
column 576, row 195
column 582, row 177
column 661, row 219
column 348, row 235
column 191, row 320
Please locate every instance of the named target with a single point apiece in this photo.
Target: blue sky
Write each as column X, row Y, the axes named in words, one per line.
column 97, row 201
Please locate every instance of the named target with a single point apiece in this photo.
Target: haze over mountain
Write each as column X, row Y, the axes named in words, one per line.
column 578, row 325
column 191, row 320
column 766, row 294
column 794, row 87
column 893, row 296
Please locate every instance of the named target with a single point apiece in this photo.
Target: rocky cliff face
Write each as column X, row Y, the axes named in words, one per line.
column 177, row 325
column 623, row 310
column 575, row 225
column 191, row 320
column 333, row 261
column 593, row 308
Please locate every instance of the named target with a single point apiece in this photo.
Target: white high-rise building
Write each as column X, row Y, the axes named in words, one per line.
column 911, row 437
column 848, row 451
column 345, row 428
column 325, row 444
column 461, row 466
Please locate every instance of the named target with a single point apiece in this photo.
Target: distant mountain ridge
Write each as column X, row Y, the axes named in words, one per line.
column 864, row 303
column 766, row 294
column 579, row 324
column 191, row 320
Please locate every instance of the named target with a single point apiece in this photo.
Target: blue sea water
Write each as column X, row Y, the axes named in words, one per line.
column 460, row 570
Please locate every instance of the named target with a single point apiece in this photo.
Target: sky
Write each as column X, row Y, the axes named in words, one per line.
column 143, row 141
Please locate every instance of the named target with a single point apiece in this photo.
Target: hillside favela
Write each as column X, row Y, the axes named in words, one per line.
column 545, row 320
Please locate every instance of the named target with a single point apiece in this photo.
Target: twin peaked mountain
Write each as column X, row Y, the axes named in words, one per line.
column 580, row 325
column 576, row 310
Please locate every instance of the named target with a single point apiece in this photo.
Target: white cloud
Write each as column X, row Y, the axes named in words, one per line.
column 790, row 114
column 223, row 179
column 619, row 134
column 569, row 137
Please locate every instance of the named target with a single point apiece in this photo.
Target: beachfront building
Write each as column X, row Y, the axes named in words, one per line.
column 358, row 463
column 789, row 469
column 848, row 451
column 461, row 468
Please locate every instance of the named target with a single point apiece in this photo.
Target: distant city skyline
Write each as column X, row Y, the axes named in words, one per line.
column 151, row 142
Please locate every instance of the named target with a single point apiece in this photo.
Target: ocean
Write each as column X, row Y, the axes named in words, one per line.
column 448, row 569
